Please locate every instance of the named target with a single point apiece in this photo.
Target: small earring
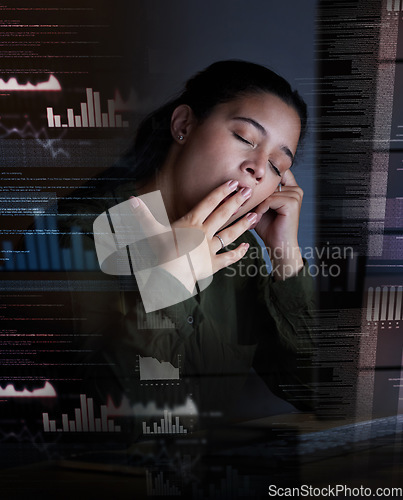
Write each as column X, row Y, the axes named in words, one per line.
column 180, row 137
column 279, row 187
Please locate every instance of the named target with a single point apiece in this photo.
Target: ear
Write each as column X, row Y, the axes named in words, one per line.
column 182, row 122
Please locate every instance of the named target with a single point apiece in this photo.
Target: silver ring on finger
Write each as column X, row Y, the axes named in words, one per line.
column 221, row 241
column 279, row 187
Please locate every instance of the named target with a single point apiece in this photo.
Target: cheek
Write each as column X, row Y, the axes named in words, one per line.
column 208, row 159
column 265, row 191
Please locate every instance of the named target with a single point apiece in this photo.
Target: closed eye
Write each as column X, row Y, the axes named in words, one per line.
column 275, row 168
column 243, row 139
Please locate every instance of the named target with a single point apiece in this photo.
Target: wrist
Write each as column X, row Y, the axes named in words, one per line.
column 286, row 261
column 180, row 269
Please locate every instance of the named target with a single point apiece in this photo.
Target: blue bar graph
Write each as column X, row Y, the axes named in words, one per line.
column 32, row 257
column 21, row 261
column 7, row 248
column 43, row 251
column 78, row 251
column 41, row 244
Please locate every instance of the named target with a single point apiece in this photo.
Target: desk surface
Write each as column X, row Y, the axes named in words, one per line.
column 380, row 466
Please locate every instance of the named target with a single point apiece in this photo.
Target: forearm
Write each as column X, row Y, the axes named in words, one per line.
column 286, row 262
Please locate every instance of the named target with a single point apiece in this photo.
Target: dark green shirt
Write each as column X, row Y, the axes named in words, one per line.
column 242, row 320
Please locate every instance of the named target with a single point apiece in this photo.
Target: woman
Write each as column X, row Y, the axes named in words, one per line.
column 220, row 154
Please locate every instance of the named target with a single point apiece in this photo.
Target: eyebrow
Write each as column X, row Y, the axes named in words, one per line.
column 263, row 131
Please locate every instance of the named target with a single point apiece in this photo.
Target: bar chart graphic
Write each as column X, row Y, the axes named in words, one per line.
column 384, row 303
column 90, row 115
column 232, row 486
column 152, row 320
column 166, row 426
column 394, row 5
column 84, row 420
column 160, row 487
column 43, row 252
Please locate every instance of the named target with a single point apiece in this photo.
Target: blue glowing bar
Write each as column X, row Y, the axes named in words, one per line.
column 53, row 240
column 32, row 253
column 91, row 262
column 66, row 256
column 77, row 249
column 41, row 241
column 9, row 263
column 21, row 262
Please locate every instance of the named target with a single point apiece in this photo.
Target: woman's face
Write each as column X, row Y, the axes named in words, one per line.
column 252, row 140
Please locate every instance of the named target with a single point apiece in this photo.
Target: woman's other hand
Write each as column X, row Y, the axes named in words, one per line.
column 277, row 224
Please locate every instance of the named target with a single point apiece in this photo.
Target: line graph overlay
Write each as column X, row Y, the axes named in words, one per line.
column 12, row 85
column 152, row 369
column 47, row 391
column 37, row 441
column 125, row 409
column 41, row 137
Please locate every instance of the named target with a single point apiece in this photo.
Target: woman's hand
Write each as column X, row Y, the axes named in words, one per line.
column 208, row 216
column 277, row 225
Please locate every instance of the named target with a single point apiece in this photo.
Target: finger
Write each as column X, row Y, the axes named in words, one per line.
column 145, row 220
column 263, row 207
column 285, row 202
column 204, row 208
column 227, row 258
column 256, row 221
column 225, row 211
column 288, row 192
column 233, row 232
column 288, row 179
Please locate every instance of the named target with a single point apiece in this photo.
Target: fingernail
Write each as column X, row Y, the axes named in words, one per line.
column 134, row 202
column 251, row 217
column 233, row 184
column 246, row 192
column 245, row 245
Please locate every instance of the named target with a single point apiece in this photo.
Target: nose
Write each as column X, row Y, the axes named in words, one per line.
column 256, row 167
